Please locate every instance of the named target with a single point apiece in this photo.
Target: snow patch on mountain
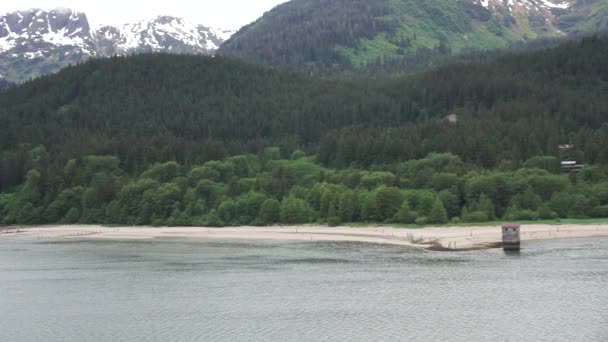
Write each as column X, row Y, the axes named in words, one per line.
column 34, row 31
column 50, row 40
column 161, row 34
column 528, row 4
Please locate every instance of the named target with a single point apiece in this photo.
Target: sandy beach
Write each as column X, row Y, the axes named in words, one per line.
column 444, row 238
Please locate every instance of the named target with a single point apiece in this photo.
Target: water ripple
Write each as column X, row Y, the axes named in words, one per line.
column 179, row 290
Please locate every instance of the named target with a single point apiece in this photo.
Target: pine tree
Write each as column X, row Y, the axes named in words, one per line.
column 368, row 207
column 486, row 206
column 213, row 219
column 388, row 202
column 405, row 214
column 71, row 217
column 346, row 207
column 438, row 213
column 333, row 219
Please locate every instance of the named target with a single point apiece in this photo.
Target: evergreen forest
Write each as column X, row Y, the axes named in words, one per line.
column 354, row 37
column 192, row 140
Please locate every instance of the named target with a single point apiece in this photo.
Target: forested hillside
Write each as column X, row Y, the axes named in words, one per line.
column 109, row 138
column 317, row 37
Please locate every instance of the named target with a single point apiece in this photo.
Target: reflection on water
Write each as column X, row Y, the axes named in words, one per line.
column 189, row 290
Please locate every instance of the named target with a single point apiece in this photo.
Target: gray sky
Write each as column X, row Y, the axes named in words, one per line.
column 231, row 14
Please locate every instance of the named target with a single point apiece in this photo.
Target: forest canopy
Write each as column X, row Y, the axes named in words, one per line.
column 266, row 190
column 125, row 125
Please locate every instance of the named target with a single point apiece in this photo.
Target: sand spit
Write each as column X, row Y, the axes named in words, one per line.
column 444, row 238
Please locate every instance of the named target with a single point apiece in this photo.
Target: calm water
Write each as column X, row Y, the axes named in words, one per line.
column 177, row 290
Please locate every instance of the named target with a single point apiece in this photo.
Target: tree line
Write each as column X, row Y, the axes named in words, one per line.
column 268, row 189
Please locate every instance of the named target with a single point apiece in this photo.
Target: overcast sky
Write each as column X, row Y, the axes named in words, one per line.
column 231, row 14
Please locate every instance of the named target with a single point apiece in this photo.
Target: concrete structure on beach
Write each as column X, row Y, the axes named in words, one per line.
column 511, row 237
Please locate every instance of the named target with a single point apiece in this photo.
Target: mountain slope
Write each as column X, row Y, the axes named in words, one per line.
column 329, row 37
column 37, row 42
column 155, row 108
column 126, row 140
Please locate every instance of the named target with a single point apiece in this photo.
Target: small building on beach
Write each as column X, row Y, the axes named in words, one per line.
column 511, row 236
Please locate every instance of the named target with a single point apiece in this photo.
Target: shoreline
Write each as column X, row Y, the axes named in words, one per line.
column 431, row 238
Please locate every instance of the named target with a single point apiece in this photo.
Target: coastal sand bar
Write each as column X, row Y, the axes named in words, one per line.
column 444, row 238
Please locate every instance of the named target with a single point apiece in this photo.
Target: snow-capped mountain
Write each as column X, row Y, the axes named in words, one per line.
column 544, row 12
column 527, row 4
column 37, row 42
column 550, row 17
column 159, row 35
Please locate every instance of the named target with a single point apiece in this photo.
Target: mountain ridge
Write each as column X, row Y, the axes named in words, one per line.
column 323, row 38
column 36, row 42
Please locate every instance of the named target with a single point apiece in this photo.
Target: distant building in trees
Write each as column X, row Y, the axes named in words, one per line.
column 450, row 118
column 568, row 164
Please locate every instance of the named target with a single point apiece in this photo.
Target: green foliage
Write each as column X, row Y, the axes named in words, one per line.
column 162, row 172
column 295, row 210
column 373, row 180
column 333, row 218
column 548, row 163
column 475, row 216
column 388, row 202
column 67, row 201
column 272, row 153
column 405, row 214
column 197, row 174
column 581, row 206
column 248, row 208
column 297, row 154
column 515, row 213
column 227, row 211
column 600, row 212
column 438, row 213
column 527, row 200
column 545, row 213
column 561, row 203
column 487, row 206
column 213, row 219
column 331, row 196
column 270, row 212
column 71, row 216
column 346, row 207
column 30, row 192
column 546, row 186
column 369, row 207
column 450, row 202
